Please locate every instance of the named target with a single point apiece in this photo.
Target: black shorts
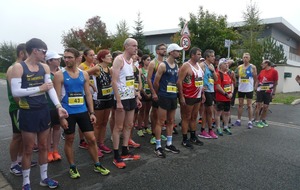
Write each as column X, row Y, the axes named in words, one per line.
column 54, row 118
column 192, row 101
column 154, row 104
column 14, row 116
column 167, row 103
column 83, row 121
column 34, row 120
column 144, row 99
column 128, row 105
column 210, row 98
column 102, row 105
column 223, row 106
column 264, row 97
column 249, row 95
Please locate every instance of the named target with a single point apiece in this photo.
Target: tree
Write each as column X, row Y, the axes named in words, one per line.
column 7, row 55
column 139, row 35
column 121, row 35
column 208, row 31
column 251, row 33
column 72, row 39
column 273, row 52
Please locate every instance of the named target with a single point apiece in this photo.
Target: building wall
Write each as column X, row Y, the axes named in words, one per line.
column 287, row 84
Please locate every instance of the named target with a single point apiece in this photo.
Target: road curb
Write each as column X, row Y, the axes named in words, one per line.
column 4, row 185
column 295, row 102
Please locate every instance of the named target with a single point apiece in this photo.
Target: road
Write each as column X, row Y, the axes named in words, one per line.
column 267, row 158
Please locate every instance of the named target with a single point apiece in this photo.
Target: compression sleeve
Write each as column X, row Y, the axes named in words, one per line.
column 52, row 92
column 17, row 91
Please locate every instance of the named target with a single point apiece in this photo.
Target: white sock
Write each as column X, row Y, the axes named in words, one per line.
column 26, row 175
column 225, row 127
column 43, row 171
column 13, row 164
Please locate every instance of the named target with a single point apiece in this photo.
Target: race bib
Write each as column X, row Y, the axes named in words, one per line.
column 75, row 98
column 198, row 82
column 227, row 88
column 245, row 80
column 265, row 87
column 211, row 80
column 136, row 86
column 106, row 90
column 171, row 88
column 146, row 87
column 130, row 81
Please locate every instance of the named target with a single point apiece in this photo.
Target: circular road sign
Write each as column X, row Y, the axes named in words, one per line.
column 185, row 42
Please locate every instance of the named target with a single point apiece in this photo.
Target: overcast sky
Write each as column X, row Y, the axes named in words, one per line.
column 22, row 20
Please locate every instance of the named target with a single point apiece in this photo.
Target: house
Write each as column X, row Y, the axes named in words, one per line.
column 278, row 28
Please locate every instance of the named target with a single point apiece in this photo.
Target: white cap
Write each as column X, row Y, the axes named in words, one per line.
column 221, row 61
column 52, row 55
column 173, row 47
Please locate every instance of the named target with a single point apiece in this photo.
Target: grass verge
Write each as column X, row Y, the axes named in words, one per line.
column 2, row 75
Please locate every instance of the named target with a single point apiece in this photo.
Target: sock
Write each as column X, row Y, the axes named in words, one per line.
column 14, row 163
column 249, row 121
column 81, row 141
column 72, row 166
column 116, row 154
column 193, row 134
column 26, row 174
column 43, row 171
column 202, row 129
column 225, row 127
column 169, row 140
column 209, row 129
column 97, row 164
column 124, row 150
column 184, row 136
column 158, row 143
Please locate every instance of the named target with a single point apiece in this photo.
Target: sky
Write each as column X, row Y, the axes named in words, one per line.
column 22, row 20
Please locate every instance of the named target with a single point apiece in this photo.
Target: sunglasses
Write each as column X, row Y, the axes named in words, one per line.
column 42, row 50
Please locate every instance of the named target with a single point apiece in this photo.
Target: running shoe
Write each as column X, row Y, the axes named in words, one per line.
column 237, row 123
column 50, row 157
column 212, row 134
column 196, row 141
column 259, row 124
column 83, row 145
column 62, row 135
column 172, row 149
column 153, row 140
column 144, row 131
column 164, row 128
column 35, row 148
column 100, row 154
column 119, row 163
column 160, row 153
column 250, row 125
column 105, row 149
column 264, row 122
column 56, row 156
column 133, row 144
column 52, row 184
column 227, row 131
column 16, row 170
column 100, row 169
column 204, row 134
column 26, row 187
column 219, row 131
column 163, row 138
column 140, row 133
column 187, row 144
column 130, row 156
column 74, row 174
column 149, row 131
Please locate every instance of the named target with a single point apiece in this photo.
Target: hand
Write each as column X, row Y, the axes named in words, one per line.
column 154, row 97
column 119, row 106
column 93, row 118
column 182, row 101
column 64, row 123
column 229, row 96
column 138, row 103
column 46, row 86
column 62, row 113
column 298, row 79
column 203, row 99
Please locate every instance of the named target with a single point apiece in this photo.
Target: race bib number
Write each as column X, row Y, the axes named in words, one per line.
column 106, row 90
column 227, row 88
column 92, row 82
column 146, row 87
column 245, row 80
column 75, row 98
column 265, row 87
column 136, row 86
column 211, row 80
column 130, row 81
column 171, row 88
column 198, row 82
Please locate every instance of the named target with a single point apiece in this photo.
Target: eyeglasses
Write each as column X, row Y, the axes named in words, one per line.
column 68, row 57
column 163, row 49
column 148, row 59
column 42, row 50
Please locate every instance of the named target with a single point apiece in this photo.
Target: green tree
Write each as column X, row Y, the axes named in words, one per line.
column 208, row 31
column 121, row 35
column 7, row 55
column 251, row 32
column 273, row 51
column 72, row 39
column 138, row 34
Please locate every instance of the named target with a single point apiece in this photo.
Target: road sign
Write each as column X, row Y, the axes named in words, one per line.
column 185, row 30
column 227, row 43
column 185, row 42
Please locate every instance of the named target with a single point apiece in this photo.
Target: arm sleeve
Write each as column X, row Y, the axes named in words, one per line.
column 52, row 92
column 17, row 91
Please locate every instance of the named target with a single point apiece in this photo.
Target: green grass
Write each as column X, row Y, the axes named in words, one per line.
column 2, row 75
column 286, row 98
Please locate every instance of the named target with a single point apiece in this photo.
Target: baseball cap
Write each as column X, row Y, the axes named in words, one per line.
column 222, row 61
column 52, row 55
column 173, row 47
